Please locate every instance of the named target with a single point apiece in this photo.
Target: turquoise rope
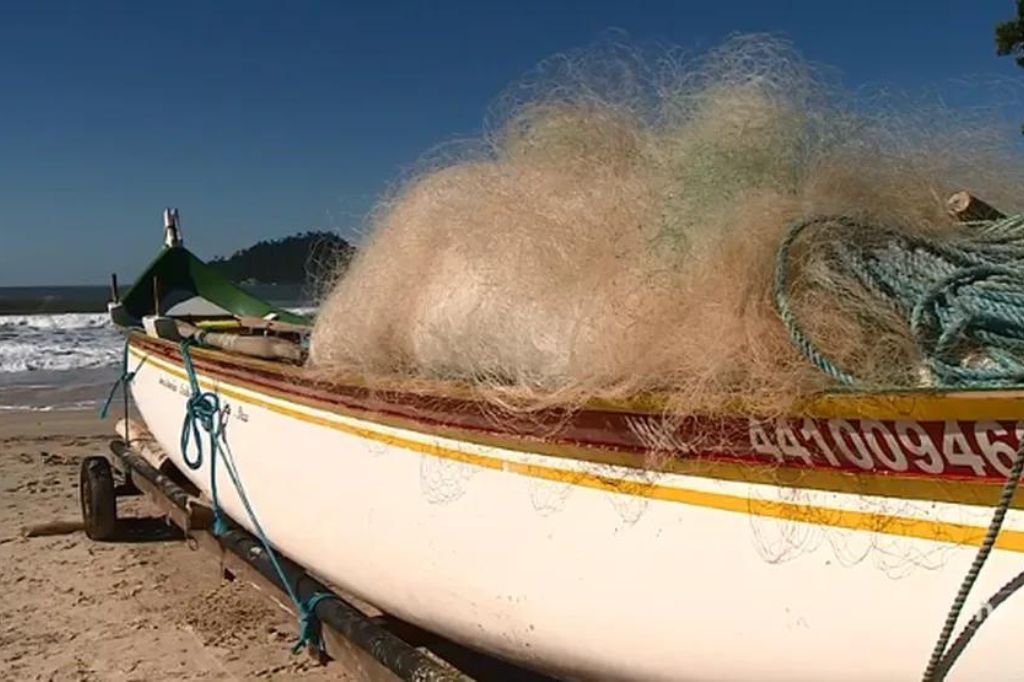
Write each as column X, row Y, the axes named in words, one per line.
column 789, row 320
column 203, row 414
column 123, row 380
column 959, row 296
column 310, row 629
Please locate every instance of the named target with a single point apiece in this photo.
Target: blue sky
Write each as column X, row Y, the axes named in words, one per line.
column 260, row 119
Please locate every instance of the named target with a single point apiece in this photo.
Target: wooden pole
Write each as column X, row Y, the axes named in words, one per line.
column 966, row 207
column 142, row 441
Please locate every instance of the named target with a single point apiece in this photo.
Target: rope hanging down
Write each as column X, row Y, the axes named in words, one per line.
column 123, row 380
column 203, row 414
column 962, row 298
column 942, row 659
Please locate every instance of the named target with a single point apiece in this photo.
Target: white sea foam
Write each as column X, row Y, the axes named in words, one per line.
column 63, row 361
column 77, row 405
column 63, row 341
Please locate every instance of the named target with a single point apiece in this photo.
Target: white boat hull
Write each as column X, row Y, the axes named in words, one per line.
column 498, row 550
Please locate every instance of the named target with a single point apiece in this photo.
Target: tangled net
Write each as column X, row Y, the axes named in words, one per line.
column 613, row 233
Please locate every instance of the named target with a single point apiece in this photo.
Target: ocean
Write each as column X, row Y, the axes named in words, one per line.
column 59, row 351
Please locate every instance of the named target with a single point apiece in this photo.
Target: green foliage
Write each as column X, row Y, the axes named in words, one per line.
column 310, row 256
column 1010, row 36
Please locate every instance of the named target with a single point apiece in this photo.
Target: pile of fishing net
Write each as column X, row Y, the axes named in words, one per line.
column 615, row 229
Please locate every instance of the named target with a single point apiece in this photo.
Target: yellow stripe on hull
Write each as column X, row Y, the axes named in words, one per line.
column 889, row 524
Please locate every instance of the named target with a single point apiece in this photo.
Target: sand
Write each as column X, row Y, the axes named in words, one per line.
column 152, row 609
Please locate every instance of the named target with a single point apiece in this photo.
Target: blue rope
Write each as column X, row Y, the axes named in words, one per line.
column 203, row 414
column 123, row 380
column 789, row 320
column 962, row 297
column 309, row 623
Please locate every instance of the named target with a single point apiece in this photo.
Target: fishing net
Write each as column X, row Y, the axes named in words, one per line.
column 613, row 232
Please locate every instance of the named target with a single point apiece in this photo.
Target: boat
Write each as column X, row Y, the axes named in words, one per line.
column 826, row 544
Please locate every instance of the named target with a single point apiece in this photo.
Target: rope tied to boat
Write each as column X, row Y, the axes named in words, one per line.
column 126, row 378
column 962, row 297
column 963, row 301
column 204, row 413
column 942, row 659
column 310, row 627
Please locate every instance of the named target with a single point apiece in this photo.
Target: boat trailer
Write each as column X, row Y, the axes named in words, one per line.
column 367, row 643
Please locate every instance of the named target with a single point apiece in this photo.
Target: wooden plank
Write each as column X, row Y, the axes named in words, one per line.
column 185, row 510
column 178, row 516
column 135, row 433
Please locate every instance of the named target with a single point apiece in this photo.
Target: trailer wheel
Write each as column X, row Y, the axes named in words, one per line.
column 99, row 504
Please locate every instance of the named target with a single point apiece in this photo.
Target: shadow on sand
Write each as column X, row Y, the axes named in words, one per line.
column 147, row 529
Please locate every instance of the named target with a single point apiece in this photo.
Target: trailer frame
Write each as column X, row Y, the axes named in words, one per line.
column 369, row 644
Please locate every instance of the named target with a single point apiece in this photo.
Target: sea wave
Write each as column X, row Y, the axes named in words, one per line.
column 65, row 407
column 62, row 341
column 67, row 321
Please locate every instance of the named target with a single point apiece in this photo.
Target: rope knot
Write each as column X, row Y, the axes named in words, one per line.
column 122, row 381
column 201, row 411
column 309, row 623
column 203, row 407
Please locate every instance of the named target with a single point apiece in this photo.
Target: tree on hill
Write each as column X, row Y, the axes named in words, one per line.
column 1010, row 37
column 311, row 256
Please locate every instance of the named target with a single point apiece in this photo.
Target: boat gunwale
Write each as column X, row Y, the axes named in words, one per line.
column 284, row 381
column 923, row 404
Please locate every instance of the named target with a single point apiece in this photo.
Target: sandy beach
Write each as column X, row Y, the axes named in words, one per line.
column 147, row 609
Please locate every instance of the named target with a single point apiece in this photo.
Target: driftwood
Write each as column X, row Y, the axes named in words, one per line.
column 966, row 207
column 63, row 527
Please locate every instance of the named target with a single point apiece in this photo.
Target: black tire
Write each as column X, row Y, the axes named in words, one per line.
column 99, row 504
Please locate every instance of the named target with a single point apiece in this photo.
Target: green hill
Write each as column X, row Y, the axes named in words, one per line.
column 296, row 259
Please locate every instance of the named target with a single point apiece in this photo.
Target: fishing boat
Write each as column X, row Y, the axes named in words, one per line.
column 826, row 544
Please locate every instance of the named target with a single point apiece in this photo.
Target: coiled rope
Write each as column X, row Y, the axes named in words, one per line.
column 963, row 300
column 203, row 413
